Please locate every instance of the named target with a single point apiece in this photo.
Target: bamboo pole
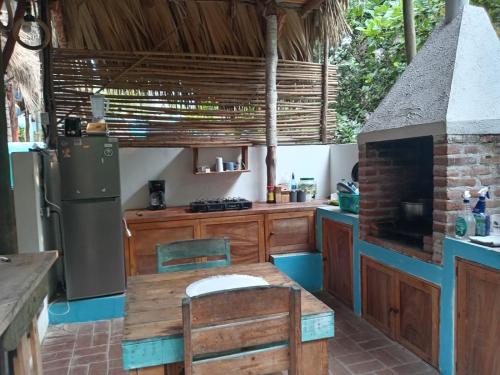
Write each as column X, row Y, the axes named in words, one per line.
column 271, row 96
column 8, row 238
column 409, row 25
column 48, row 89
column 324, row 99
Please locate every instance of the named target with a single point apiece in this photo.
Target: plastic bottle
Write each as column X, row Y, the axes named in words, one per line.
column 465, row 224
column 480, row 214
column 293, row 183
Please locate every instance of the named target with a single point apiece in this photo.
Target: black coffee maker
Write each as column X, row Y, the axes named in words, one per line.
column 157, row 195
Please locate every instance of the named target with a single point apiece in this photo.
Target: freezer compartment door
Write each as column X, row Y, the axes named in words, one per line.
column 89, row 167
column 93, row 252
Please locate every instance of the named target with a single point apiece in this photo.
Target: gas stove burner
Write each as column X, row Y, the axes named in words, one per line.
column 220, row 204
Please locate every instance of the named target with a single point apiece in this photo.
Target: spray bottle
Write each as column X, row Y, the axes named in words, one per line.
column 465, row 224
column 480, row 214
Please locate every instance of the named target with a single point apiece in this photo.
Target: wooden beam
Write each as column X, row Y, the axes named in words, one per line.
column 324, row 99
column 8, row 237
column 48, row 91
column 309, row 6
column 271, row 96
column 11, row 40
column 409, row 25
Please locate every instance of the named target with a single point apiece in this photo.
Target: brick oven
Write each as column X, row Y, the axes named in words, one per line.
column 436, row 134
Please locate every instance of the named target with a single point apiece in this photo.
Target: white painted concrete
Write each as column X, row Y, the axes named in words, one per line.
column 30, row 225
column 342, row 159
column 174, row 165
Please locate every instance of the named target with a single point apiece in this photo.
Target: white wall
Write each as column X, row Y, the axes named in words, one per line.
column 174, row 165
column 342, row 159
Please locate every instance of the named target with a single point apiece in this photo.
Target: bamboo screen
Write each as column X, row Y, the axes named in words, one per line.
column 165, row 99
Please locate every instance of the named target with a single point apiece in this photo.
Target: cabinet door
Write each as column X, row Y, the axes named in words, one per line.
column 145, row 237
column 337, row 253
column 417, row 316
column 246, row 234
column 478, row 319
column 290, row 232
column 378, row 286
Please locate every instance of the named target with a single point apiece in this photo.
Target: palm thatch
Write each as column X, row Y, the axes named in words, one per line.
column 24, row 69
column 200, row 27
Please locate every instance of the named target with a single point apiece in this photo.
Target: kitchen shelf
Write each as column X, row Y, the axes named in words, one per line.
column 225, row 172
column 244, row 158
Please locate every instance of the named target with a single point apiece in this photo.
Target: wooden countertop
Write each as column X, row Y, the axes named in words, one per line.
column 18, row 280
column 183, row 213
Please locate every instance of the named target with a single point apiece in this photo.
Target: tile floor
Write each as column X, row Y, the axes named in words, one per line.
column 358, row 348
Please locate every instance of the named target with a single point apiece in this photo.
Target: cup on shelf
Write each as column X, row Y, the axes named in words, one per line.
column 229, row 166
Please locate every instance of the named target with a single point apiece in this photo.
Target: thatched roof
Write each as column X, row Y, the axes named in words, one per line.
column 24, row 72
column 197, row 26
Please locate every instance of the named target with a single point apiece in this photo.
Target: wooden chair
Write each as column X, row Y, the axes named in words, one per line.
column 254, row 330
column 193, row 254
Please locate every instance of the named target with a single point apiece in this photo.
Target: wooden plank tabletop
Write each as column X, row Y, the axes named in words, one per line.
column 18, row 279
column 153, row 302
column 153, row 318
column 182, row 213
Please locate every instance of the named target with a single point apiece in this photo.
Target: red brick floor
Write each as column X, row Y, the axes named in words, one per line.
column 358, row 348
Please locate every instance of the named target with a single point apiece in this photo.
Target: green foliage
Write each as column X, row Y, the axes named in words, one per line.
column 373, row 57
column 346, row 130
column 370, row 62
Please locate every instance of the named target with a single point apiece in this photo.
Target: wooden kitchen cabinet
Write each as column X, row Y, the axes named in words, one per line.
column 254, row 234
column 477, row 319
column 246, row 235
column 289, row 232
column 145, row 237
column 404, row 307
column 337, row 257
column 378, row 290
column 417, row 322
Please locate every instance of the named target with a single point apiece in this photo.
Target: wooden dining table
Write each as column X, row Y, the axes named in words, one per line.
column 152, row 340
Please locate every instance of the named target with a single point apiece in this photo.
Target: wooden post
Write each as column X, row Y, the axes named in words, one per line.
column 8, row 238
column 409, row 24
column 271, row 96
column 47, row 81
column 324, row 104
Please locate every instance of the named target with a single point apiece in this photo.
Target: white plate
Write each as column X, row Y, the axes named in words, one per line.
column 223, row 282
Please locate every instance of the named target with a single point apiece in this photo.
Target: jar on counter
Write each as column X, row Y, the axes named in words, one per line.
column 308, row 186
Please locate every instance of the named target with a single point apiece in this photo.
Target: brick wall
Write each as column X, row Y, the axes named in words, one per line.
column 391, row 172
column 441, row 168
column 462, row 162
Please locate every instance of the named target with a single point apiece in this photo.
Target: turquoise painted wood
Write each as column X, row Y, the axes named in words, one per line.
column 163, row 350
column 442, row 275
column 87, row 310
column 185, row 250
column 305, row 268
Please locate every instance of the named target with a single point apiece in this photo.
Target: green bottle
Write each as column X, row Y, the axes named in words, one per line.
column 465, row 224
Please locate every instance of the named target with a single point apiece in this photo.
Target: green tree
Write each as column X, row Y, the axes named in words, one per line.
column 372, row 58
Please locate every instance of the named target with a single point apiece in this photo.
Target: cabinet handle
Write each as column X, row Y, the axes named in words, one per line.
column 271, row 233
column 129, row 233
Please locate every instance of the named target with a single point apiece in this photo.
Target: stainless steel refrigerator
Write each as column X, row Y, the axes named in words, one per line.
column 91, row 207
